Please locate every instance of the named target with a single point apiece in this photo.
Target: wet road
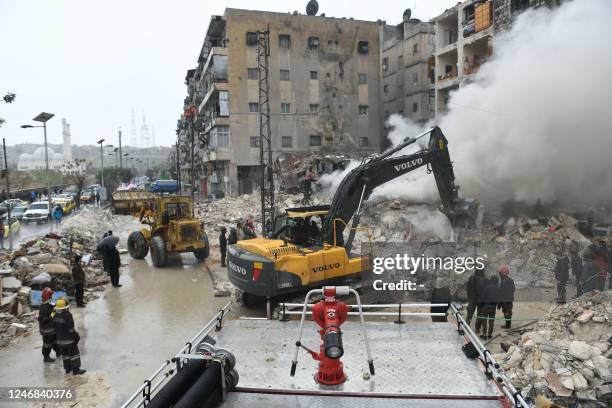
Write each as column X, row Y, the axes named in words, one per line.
column 125, row 334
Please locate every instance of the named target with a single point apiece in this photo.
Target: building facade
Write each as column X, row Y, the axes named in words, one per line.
column 406, row 69
column 324, row 94
column 463, row 40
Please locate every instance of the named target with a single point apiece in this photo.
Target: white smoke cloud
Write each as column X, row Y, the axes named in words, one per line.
column 536, row 121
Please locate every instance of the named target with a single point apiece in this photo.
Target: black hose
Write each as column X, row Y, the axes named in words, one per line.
column 178, row 385
column 203, row 390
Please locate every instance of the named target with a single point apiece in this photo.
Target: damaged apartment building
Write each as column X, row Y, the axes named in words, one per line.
column 324, row 94
column 407, row 69
column 464, row 40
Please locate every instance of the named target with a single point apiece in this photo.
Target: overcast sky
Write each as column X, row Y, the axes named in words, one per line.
column 92, row 61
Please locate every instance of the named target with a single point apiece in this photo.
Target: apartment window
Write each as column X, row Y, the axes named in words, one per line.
column 386, row 88
column 287, row 141
column 415, row 48
column 415, row 77
column 400, row 62
column 314, row 75
column 285, row 108
column 284, row 75
column 253, row 107
column 219, row 136
column 251, row 38
column 364, row 142
column 254, row 141
column 415, row 107
column 363, row 78
column 252, row 73
column 284, row 41
column 385, row 64
column 313, row 42
column 314, row 108
column 363, row 110
column 363, row 47
column 315, row 140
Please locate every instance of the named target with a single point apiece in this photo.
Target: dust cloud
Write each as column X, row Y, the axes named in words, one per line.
column 535, row 123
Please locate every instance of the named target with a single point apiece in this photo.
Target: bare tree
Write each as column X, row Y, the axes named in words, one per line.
column 8, row 98
column 78, row 172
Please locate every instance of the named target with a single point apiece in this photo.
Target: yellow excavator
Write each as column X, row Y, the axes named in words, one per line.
column 307, row 247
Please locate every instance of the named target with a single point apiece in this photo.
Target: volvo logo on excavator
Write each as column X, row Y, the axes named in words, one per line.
column 323, row 268
column 237, row 268
column 409, row 164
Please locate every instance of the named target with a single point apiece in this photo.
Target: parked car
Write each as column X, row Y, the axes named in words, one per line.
column 18, row 212
column 37, row 212
column 87, row 196
column 15, row 225
column 68, row 205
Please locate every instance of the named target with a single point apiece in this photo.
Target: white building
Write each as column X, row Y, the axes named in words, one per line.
column 36, row 160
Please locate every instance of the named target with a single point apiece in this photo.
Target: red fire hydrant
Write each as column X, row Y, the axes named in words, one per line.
column 329, row 314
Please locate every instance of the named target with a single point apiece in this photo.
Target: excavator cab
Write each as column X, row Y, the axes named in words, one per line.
column 301, row 226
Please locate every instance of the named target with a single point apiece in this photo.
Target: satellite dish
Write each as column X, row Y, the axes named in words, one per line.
column 407, row 14
column 312, row 8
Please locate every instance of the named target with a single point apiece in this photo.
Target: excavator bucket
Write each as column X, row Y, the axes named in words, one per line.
column 467, row 213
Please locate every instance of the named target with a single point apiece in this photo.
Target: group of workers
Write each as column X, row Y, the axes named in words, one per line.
column 241, row 232
column 591, row 269
column 56, row 324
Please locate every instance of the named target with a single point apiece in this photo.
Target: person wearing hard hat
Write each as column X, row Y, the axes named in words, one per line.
column 45, row 326
column 67, row 337
column 506, row 295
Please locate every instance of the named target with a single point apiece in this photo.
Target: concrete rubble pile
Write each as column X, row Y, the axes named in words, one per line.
column 46, row 262
column 566, row 356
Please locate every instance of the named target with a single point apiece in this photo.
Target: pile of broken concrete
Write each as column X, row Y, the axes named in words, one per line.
column 567, row 356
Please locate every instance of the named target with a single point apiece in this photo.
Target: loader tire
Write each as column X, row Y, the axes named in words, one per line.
column 159, row 255
column 137, row 245
column 203, row 253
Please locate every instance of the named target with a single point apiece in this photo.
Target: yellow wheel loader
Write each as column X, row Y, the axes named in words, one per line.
column 308, row 247
column 171, row 228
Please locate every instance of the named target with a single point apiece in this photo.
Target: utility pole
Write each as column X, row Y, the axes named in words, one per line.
column 8, row 194
column 101, row 143
column 265, row 133
column 120, row 152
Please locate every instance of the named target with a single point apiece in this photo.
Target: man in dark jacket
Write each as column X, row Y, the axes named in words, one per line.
column 577, row 268
column 67, row 337
column 490, row 299
column 232, row 239
column 440, row 294
column 602, row 264
column 223, row 245
column 506, row 295
column 561, row 275
column 249, row 229
column 114, row 262
column 472, row 294
column 78, row 277
column 590, row 270
column 45, row 325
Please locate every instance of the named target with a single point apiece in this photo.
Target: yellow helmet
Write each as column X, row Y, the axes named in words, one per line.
column 61, row 304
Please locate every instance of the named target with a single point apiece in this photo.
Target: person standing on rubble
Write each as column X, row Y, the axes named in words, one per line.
column 249, row 229
column 307, row 181
column 602, row 264
column 590, row 271
column 223, row 245
column 232, row 239
column 239, row 231
column 58, row 213
column 97, row 198
column 474, row 282
column 440, row 294
column 45, row 326
column 506, row 295
column 78, row 277
column 1, row 233
column 577, row 268
column 561, row 275
column 67, row 337
column 490, row 299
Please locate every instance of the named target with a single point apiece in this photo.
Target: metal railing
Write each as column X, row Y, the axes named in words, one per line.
column 143, row 395
column 492, row 368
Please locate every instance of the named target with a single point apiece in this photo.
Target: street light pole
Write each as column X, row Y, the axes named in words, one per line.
column 101, row 160
column 43, row 117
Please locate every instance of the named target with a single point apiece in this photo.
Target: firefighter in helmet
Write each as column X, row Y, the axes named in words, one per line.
column 67, row 337
column 45, row 325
